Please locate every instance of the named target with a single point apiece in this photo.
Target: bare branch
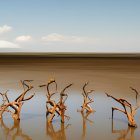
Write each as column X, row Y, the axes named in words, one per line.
column 136, row 93
column 87, row 99
column 130, row 114
column 137, row 107
column 90, row 91
column 121, row 101
column 90, row 102
column 87, row 92
column 62, row 92
column 29, row 97
column 21, row 97
column 26, row 85
column 6, row 96
column 114, row 108
column 49, row 83
column 17, row 104
column 50, row 94
column 84, row 88
column 42, row 85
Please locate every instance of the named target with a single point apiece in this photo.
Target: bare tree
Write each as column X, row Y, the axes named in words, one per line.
column 54, row 107
column 61, row 104
column 87, row 99
column 16, row 105
column 128, row 109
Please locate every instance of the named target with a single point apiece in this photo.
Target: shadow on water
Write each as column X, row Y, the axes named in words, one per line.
column 125, row 134
column 13, row 132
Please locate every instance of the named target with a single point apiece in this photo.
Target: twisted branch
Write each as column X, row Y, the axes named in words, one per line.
column 87, row 99
column 17, row 104
column 130, row 115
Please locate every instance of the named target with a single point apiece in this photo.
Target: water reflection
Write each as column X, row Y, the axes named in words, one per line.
column 15, row 132
column 56, row 134
column 85, row 119
column 125, row 134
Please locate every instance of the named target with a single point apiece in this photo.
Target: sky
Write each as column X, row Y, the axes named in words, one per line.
column 70, row 26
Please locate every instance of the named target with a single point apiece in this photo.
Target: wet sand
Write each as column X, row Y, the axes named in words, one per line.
column 111, row 75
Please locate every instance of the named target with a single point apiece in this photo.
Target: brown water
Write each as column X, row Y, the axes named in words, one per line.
column 114, row 76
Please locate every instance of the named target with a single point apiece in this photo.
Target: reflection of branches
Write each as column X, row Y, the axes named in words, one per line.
column 17, row 103
column 85, row 119
column 56, row 135
column 13, row 132
column 54, row 107
column 124, row 133
column 126, row 105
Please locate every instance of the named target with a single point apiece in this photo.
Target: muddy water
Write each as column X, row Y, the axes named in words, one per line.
column 113, row 76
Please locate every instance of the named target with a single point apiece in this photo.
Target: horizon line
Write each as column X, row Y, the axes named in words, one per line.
column 68, row 54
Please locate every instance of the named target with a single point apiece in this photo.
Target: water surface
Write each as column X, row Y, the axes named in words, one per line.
column 113, row 76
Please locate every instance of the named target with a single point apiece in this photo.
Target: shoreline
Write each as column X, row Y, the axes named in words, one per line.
column 70, row 55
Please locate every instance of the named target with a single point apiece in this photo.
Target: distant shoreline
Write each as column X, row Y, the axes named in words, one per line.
column 69, row 55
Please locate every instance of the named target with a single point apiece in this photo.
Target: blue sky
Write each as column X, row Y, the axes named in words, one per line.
column 69, row 26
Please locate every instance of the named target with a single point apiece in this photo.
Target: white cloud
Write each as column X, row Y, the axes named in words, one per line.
column 53, row 37
column 7, row 44
column 24, row 38
column 5, row 28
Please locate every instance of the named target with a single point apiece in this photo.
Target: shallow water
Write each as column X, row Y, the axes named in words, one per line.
column 113, row 76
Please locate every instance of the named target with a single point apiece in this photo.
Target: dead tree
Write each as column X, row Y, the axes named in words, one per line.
column 87, row 100
column 49, row 95
column 13, row 132
column 17, row 104
column 128, row 109
column 61, row 104
column 51, row 105
column 54, row 107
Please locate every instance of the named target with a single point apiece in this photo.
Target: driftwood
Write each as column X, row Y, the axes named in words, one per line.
column 56, row 135
column 14, row 132
column 127, row 105
column 16, row 105
column 54, row 107
column 128, row 133
column 61, row 104
column 87, row 100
